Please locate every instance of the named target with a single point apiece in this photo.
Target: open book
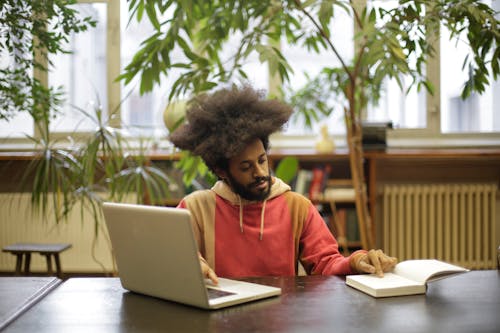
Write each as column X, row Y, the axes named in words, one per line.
column 409, row 277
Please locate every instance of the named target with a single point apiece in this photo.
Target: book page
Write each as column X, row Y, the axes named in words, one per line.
column 389, row 281
column 423, row 270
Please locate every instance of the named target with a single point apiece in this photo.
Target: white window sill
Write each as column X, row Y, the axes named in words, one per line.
column 281, row 142
column 306, row 142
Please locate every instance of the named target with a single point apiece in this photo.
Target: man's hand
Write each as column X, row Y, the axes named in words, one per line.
column 207, row 271
column 374, row 261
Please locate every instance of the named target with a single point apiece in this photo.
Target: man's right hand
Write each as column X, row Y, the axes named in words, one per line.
column 207, row 271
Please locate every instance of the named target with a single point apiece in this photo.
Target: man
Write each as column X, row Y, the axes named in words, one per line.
column 251, row 223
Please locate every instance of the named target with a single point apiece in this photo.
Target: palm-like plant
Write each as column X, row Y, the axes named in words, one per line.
column 98, row 169
column 50, row 178
column 137, row 175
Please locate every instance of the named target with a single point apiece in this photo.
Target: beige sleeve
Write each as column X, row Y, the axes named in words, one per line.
column 299, row 207
column 201, row 205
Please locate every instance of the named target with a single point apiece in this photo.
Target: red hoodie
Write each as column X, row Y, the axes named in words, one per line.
column 242, row 238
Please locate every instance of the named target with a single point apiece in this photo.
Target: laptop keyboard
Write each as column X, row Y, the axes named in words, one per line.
column 216, row 293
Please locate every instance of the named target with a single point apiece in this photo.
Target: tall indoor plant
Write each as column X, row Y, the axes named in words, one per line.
column 99, row 166
column 383, row 50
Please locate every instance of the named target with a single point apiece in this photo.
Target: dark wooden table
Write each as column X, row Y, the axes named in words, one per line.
column 18, row 294
column 468, row 302
column 24, row 250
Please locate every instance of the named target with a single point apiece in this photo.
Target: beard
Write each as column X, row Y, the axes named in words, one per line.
column 250, row 191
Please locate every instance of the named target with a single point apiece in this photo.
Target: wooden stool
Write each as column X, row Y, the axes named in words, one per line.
column 498, row 258
column 47, row 250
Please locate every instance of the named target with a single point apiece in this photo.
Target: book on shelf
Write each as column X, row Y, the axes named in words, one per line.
column 339, row 194
column 339, row 190
column 351, row 225
column 304, row 177
column 409, row 277
column 320, row 175
column 311, row 182
column 316, row 183
column 346, row 224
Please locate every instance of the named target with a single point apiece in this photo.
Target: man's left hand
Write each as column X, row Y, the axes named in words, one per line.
column 373, row 262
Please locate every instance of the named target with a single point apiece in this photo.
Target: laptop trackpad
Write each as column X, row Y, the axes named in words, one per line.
column 216, row 293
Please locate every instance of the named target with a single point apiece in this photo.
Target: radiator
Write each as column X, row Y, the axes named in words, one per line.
column 451, row 222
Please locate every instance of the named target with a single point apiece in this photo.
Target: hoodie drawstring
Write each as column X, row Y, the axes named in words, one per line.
column 262, row 220
column 241, row 214
column 261, row 233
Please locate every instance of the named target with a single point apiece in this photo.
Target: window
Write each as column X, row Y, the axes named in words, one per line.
column 140, row 115
column 306, row 64
column 143, row 114
column 403, row 110
column 17, row 127
column 21, row 124
column 82, row 74
column 87, row 76
column 476, row 113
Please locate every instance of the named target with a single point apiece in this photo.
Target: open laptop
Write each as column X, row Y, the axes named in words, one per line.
column 157, row 255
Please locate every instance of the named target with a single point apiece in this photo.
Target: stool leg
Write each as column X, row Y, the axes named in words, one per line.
column 19, row 263
column 498, row 258
column 49, row 264
column 58, row 265
column 27, row 262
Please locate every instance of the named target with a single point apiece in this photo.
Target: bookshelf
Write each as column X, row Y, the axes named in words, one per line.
column 404, row 165
column 333, row 195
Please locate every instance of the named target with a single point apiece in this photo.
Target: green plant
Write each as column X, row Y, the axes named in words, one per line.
column 89, row 169
column 287, row 169
column 29, row 32
column 385, row 42
column 101, row 167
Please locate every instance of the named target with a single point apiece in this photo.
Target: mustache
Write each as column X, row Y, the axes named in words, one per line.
column 258, row 180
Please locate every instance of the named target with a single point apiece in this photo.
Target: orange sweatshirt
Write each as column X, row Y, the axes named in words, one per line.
column 240, row 238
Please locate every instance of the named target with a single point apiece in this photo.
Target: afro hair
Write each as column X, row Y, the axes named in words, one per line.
column 219, row 125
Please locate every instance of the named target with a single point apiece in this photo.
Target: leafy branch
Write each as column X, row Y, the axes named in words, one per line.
column 29, row 32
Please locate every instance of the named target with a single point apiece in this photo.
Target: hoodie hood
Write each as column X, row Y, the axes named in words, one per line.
column 278, row 187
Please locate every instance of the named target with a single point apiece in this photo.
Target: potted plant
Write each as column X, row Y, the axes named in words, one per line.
column 100, row 166
column 385, row 41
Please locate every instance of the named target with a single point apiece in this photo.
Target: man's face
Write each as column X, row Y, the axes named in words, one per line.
column 249, row 174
